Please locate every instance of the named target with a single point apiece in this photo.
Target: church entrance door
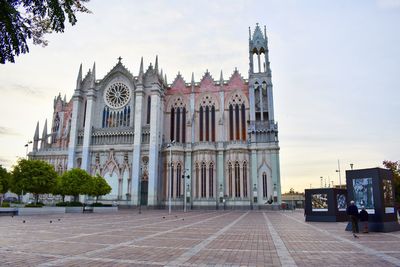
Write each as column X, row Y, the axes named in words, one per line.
column 144, row 192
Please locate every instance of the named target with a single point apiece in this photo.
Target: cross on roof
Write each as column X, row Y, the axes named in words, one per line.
column 119, row 59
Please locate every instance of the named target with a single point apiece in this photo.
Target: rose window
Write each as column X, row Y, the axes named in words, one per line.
column 117, row 95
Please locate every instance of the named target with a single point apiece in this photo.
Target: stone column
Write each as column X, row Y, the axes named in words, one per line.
column 87, row 136
column 137, row 146
column 220, row 179
column 188, row 167
column 73, row 137
column 276, row 173
column 270, row 102
column 154, row 148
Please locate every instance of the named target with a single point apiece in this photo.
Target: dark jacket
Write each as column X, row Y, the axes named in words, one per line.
column 352, row 210
column 363, row 216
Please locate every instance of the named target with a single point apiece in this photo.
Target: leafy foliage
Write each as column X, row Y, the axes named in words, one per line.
column 21, row 20
column 4, row 180
column 98, row 186
column 33, row 176
column 69, row 204
column 74, row 183
column 394, row 166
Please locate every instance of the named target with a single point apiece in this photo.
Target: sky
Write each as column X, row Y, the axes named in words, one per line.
column 335, row 71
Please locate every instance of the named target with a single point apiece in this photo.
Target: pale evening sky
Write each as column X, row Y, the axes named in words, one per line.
column 335, row 70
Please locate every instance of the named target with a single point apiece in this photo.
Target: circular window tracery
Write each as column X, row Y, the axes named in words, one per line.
column 117, row 95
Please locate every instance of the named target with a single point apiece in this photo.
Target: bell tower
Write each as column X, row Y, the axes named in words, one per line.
column 263, row 129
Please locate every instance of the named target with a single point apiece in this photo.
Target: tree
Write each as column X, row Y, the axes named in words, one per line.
column 21, row 20
column 98, row 186
column 58, row 189
column 394, row 166
column 74, row 183
column 4, row 182
column 33, row 176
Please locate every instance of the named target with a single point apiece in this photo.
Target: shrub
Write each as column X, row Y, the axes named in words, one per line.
column 5, row 205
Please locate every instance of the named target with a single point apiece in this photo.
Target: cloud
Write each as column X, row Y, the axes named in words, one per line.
column 22, row 89
column 8, row 131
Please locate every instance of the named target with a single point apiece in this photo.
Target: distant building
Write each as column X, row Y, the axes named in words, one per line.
column 120, row 126
column 294, row 199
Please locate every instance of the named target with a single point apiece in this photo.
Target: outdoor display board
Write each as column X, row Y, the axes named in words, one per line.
column 373, row 189
column 325, row 205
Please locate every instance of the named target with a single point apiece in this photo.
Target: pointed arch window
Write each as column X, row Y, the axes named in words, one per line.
column 148, row 109
column 237, row 122
column 203, row 179
column 243, row 119
column 84, row 113
column 201, row 123
column 213, row 123
column 211, row 180
column 178, row 180
column 245, row 193
column 237, row 179
column 197, row 181
column 183, row 125
column 116, row 118
column 178, row 125
column 172, row 180
column 207, row 123
column 230, row 122
column 172, row 125
column 264, row 180
column 230, row 184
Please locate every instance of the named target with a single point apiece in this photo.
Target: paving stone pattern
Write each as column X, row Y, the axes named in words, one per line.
column 195, row 238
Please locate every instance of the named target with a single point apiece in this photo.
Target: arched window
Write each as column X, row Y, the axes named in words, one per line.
column 183, row 125
column 237, row 179
column 262, row 61
column 230, row 179
column 178, row 125
column 237, row 122
column 172, row 125
column 245, row 179
column 255, row 62
column 178, row 180
column 172, row 180
column 264, row 179
column 197, row 181
column 211, row 180
column 243, row 122
column 201, row 123
column 213, row 124
column 257, row 99
column 230, row 122
column 203, row 179
column 207, row 123
column 84, row 113
column 264, row 101
column 148, row 109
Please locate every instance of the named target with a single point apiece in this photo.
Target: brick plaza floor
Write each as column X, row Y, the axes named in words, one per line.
column 195, row 238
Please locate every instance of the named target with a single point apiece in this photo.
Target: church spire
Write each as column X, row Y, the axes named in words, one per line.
column 93, row 80
column 79, row 79
column 36, row 138
column 192, row 82
column 44, row 136
column 140, row 77
column 221, row 79
column 156, row 64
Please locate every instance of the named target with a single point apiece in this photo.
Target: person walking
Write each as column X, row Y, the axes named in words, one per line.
column 364, row 219
column 352, row 212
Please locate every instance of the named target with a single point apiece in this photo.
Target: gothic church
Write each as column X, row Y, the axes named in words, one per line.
column 213, row 141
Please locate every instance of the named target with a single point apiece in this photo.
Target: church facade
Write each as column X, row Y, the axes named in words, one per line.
column 214, row 141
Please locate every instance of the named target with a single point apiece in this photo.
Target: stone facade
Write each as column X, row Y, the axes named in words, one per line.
column 144, row 135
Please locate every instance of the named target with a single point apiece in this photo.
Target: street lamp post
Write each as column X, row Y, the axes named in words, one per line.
column 340, row 176
column 27, row 145
column 184, row 188
column 170, row 175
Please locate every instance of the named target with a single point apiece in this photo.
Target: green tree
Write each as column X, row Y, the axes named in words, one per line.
column 58, row 189
column 4, row 182
column 33, row 176
column 394, row 166
column 21, row 20
column 97, row 187
column 74, row 183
